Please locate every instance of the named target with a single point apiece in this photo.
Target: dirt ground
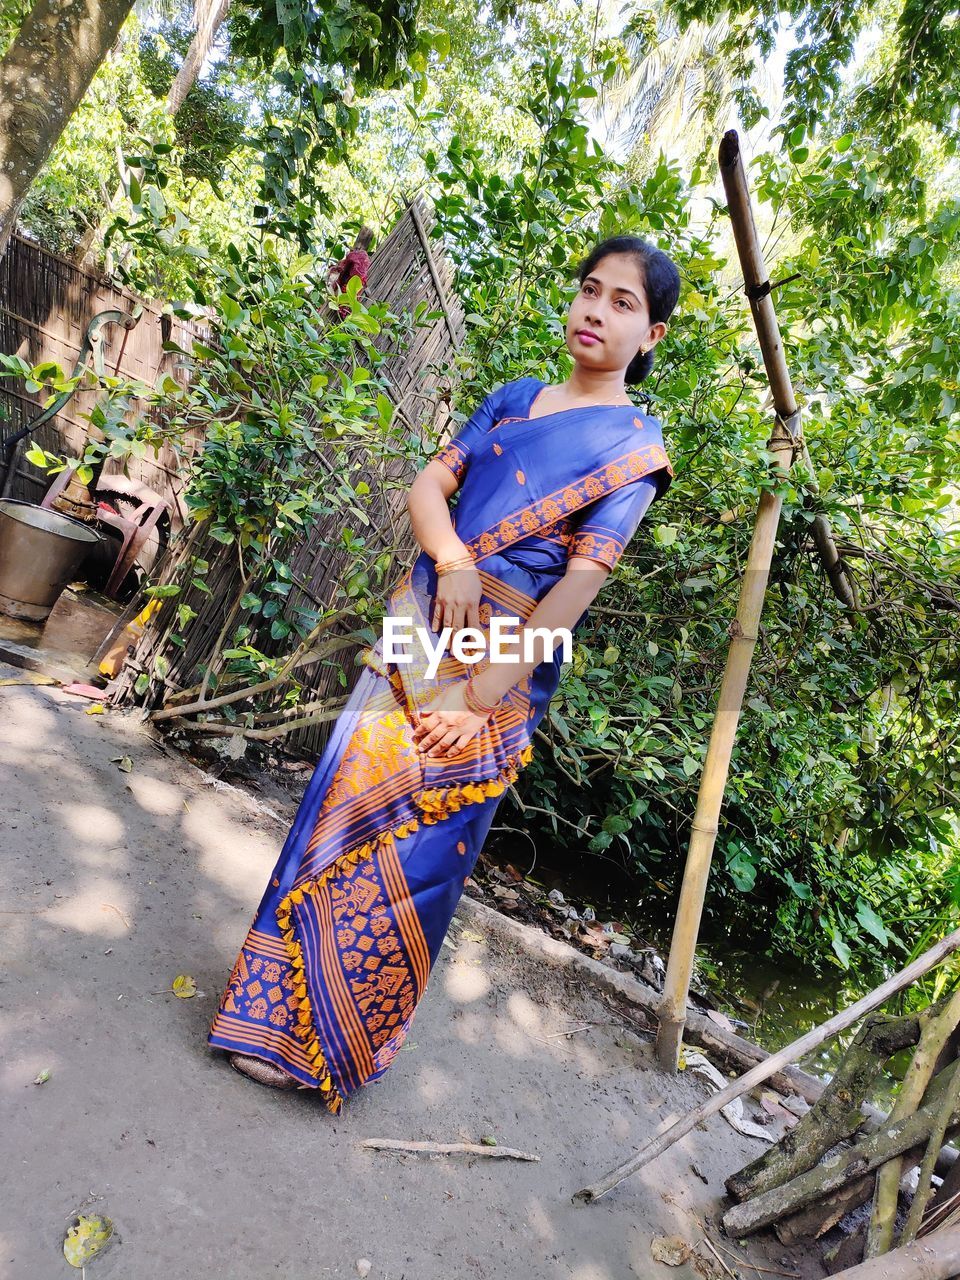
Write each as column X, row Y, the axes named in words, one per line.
column 114, row 883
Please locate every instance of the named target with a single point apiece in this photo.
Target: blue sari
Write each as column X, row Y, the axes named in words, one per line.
column 352, row 921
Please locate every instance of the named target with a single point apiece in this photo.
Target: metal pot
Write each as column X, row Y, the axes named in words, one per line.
column 40, row 551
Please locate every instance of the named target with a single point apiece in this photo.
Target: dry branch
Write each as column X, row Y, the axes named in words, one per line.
column 860, row 1159
column 449, row 1149
column 837, row 1115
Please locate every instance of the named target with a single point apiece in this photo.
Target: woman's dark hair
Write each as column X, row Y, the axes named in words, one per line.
column 661, row 284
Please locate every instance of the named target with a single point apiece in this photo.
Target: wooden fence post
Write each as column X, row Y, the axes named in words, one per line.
column 784, row 445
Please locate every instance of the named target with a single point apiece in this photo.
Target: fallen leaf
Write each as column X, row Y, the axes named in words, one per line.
column 184, row 986
column 504, row 895
column 720, row 1019
column 670, row 1250
column 773, row 1107
column 468, row 935
column 124, row 764
column 27, row 678
column 43, row 1077
column 95, row 709
column 85, row 1239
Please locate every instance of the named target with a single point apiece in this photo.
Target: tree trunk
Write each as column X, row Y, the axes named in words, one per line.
column 208, row 16
column 43, row 77
column 837, row 1115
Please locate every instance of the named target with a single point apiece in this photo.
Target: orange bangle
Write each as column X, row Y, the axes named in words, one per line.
column 448, row 566
column 473, row 702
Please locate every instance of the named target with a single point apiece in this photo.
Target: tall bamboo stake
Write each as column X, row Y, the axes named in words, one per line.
column 784, row 445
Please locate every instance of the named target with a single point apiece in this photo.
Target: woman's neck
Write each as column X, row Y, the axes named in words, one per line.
column 598, row 385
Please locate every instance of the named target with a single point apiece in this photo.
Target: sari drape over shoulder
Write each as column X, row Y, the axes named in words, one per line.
column 340, row 950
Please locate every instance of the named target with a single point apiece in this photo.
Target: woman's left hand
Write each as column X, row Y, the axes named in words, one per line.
column 447, row 724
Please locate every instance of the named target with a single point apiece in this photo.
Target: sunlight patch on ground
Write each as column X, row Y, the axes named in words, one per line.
column 155, row 796
column 434, row 1085
column 466, row 983
column 525, row 1013
column 93, row 823
column 231, row 856
column 96, row 910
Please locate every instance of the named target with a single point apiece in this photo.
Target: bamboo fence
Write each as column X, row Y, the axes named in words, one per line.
column 405, row 271
column 46, row 303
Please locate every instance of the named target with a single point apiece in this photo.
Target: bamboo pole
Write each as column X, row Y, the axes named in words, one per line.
column 784, row 444
column 764, row 1070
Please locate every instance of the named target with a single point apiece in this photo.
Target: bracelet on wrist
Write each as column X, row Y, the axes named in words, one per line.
column 474, row 701
column 451, row 566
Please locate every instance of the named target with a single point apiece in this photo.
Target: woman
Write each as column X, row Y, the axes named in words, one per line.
column 553, row 482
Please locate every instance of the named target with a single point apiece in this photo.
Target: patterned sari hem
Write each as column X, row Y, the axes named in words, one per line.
column 435, row 804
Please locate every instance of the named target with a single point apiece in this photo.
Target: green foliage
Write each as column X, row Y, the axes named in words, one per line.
column 211, row 123
column 291, row 403
column 838, row 818
column 120, row 427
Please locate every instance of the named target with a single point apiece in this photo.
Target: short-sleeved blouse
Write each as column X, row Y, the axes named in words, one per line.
column 599, row 531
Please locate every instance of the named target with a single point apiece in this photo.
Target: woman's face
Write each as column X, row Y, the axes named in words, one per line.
column 608, row 321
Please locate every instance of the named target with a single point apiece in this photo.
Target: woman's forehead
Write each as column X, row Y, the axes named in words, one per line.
column 618, row 271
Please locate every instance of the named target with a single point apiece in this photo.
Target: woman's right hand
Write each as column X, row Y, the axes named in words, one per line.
column 457, row 600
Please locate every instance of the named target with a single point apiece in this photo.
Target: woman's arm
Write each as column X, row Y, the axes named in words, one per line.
column 457, row 602
column 427, row 500
column 563, row 604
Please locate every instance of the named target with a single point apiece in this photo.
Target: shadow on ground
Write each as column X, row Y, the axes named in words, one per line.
column 114, row 883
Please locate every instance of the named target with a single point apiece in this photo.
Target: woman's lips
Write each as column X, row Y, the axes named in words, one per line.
column 588, row 339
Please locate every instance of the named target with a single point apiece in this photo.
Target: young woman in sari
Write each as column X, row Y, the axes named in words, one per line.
column 553, row 481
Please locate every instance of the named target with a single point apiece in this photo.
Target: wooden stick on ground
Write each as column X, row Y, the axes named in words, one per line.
column 449, row 1149
column 763, row 1070
column 935, row 1257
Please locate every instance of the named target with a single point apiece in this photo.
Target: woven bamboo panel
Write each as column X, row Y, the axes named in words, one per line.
column 46, row 303
column 406, row 269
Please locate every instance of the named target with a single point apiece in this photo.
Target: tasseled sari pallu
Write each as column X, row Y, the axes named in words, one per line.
column 352, row 921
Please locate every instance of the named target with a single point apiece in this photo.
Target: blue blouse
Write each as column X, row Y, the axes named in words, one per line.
column 600, row 531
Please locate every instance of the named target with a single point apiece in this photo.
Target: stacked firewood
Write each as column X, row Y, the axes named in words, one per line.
column 840, row 1157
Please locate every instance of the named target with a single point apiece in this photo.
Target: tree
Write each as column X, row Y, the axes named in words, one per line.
column 43, row 76
column 208, row 16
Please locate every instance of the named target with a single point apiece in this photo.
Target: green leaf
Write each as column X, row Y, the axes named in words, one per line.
column 841, row 951
column 36, row 456
column 742, row 871
column 872, row 922
column 85, row 1239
